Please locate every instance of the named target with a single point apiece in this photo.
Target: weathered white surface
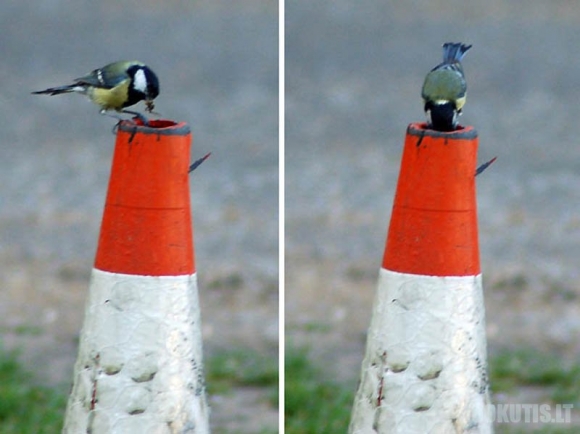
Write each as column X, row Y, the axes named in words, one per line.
column 425, row 368
column 139, row 367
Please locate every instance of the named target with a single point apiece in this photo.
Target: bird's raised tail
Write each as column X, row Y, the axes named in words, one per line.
column 454, row 51
column 59, row 90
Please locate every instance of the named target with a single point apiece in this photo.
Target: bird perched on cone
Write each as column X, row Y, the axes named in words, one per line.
column 115, row 86
column 444, row 89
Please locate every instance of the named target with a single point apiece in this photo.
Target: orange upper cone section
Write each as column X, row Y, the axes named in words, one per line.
column 433, row 229
column 147, row 228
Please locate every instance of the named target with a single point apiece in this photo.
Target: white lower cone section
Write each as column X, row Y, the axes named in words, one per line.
column 425, row 368
column 139, row 368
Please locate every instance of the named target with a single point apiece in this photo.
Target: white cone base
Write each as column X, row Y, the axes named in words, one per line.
column 425, row 368
column 139, row 367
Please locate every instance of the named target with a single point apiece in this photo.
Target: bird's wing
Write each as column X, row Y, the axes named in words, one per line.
column 103, row 79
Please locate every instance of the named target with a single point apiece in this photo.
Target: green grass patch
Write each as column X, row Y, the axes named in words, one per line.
column 317, row 327
column 530, row 367
column 22, row 330
column 26, row 407
column 314, row 404
column 242, row 367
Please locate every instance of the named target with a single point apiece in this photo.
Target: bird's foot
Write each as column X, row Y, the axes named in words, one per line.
column 139, row 116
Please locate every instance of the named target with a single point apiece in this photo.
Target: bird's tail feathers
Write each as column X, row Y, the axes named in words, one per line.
column 60, row 89
column 454, row 51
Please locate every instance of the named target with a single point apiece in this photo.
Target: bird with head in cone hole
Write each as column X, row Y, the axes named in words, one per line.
column 444, row 89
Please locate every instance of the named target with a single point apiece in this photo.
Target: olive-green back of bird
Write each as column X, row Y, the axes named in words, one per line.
column 444, row 85
column 108, row 76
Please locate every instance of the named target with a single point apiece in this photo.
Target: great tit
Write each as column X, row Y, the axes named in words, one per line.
column 115, row 86
column 444, row 89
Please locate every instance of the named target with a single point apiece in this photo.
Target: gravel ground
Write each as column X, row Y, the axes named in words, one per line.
column 218, row 66
column 353, row 77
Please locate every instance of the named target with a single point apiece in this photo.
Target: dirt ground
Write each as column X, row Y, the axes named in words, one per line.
column 218, row 67
column 353, row 77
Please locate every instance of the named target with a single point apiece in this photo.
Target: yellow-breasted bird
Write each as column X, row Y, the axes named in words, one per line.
column 115, row 86
column 444, row 89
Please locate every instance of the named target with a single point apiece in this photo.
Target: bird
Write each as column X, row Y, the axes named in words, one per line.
column 115, row 86
column 444, row 89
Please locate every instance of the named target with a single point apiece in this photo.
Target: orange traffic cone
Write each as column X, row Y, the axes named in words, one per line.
column 425, row 366
column 139, row 366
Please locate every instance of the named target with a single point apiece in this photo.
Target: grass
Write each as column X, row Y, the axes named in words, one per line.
column 529, row 367
column 242, row 368
column 26, row 407
column 239, row 368
column 317, row 404
column 314, row 404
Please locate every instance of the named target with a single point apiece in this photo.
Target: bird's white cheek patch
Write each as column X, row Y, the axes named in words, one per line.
column 100, row 77
column 139, row 81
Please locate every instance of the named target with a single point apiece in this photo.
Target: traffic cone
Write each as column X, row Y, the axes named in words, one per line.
column 425, row 368
column 139, row 367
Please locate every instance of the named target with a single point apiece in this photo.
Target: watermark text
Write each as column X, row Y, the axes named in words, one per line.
column 531, row 413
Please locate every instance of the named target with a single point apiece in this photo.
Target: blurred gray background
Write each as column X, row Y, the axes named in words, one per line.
column 354, row 72
column 218, row 66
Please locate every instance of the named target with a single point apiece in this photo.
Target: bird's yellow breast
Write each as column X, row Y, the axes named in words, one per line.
column 113, row 98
